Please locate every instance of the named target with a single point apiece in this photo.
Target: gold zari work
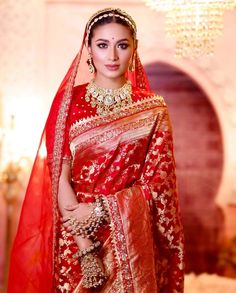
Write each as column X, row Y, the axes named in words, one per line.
column 108, row 100
column 111, row 12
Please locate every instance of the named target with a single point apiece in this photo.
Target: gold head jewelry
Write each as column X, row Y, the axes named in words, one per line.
column 109, row 12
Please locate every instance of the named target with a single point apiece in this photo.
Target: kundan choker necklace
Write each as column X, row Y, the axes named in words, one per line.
column 108, row 100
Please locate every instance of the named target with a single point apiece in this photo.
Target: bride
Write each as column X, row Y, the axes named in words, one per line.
column 101, row 212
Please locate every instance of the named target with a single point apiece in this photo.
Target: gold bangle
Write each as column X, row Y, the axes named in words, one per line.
column 93, row 247
column 89, row 227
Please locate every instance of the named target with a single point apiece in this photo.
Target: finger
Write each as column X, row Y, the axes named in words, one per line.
column 65, row 219
column 66, row 224
column 69, row 228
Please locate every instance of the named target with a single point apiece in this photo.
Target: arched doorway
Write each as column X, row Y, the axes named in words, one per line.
column 199, row 158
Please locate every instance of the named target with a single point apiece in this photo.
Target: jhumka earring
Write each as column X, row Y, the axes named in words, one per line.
column 90, row 64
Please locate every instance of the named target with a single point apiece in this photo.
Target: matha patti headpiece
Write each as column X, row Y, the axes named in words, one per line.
column 110, row 12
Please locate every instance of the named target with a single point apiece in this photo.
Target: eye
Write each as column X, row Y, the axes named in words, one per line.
column 102, row 45
column 123, row 46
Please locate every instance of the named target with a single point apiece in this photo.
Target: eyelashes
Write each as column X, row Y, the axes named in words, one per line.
column 122, row 46
column 102, row 45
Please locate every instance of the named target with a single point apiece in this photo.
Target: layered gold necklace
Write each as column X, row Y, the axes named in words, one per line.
column 108, row 100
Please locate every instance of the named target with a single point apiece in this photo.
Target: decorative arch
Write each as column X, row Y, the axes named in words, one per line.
column 199, row 157
column 215, row 92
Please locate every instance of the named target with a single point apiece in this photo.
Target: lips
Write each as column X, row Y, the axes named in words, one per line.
column 112, row 67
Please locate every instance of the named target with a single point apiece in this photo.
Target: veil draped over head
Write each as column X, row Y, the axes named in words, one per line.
column 32, row 258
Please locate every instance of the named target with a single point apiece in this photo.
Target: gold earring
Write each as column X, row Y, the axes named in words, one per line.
column 90, row 64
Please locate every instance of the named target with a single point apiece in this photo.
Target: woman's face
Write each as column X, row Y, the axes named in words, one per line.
column 112, row 48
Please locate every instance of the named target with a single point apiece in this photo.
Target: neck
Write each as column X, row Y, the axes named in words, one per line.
column 110, row 83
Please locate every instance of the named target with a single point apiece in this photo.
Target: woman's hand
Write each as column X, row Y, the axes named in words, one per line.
column 78, row 212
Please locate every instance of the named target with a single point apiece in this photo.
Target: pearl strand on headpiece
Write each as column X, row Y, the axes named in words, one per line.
column 109, row 13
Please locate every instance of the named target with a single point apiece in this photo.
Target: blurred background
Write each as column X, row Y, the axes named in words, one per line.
column 39, row 39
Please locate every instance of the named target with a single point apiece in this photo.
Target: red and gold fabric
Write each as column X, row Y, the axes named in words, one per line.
column 126, row 157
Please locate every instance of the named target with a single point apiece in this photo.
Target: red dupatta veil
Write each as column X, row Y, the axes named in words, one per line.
column 32, row 258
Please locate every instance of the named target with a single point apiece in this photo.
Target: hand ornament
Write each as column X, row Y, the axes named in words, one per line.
column 91, row 266
column 88, row 228
column 92, row 271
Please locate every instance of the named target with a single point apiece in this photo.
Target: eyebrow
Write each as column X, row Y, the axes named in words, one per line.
column 107, row 41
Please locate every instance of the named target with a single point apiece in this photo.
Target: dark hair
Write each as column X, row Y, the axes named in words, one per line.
column 109, row 19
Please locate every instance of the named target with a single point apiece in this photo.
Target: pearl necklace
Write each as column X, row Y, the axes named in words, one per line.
column 108, row 100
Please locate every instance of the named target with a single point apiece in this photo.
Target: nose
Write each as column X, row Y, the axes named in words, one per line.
column 113, row 56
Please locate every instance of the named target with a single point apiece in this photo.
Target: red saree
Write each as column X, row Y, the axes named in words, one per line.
column 126, row 157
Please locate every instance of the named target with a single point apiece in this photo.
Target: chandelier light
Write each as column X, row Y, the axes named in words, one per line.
column 194, row 24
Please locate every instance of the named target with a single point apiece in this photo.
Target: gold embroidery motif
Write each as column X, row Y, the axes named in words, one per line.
column 87, row 123
column 58, row 145
column 119, row 247
column 66, row 276
column 110, row 134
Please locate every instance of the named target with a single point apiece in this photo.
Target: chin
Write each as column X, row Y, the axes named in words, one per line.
column 114, row 75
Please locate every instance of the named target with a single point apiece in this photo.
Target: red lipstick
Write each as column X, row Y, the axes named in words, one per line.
column 112, row 67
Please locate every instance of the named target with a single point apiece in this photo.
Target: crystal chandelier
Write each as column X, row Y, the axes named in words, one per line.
column 195, row 24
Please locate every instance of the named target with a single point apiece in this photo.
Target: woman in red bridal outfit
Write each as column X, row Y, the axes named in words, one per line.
column 101, row 212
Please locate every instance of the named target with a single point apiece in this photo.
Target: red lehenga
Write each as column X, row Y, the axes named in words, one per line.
column 126, row 157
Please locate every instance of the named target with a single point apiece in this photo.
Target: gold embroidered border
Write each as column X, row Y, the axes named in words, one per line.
column 58, row 144
column 110, row 134
column 119, row 246
column 87, row 123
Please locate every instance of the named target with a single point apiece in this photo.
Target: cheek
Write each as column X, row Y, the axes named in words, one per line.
column 98, row 56
column 126, row 56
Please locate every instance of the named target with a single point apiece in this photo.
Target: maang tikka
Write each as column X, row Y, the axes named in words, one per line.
column 90, row 64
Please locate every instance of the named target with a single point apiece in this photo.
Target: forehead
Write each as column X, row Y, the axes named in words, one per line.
column 112, row 31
